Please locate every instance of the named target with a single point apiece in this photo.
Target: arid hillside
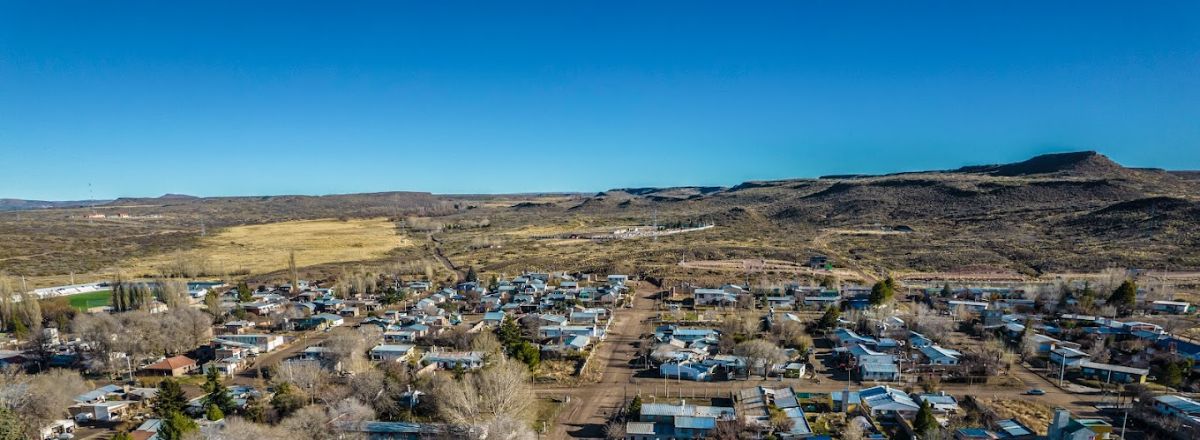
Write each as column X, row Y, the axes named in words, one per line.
column 1052, row 213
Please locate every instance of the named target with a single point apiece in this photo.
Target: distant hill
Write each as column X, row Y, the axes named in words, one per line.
column 1068, row 210
column 1054, row 212
column 23, row 205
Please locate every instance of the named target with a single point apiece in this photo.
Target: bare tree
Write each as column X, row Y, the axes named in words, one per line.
column 36, row 400
column 349, row 347
column 307, row 376
column 480, row 397
column 760, row 353
column 853, row 431
column 374, row 387
column 506, row 427
column 173, row 292
column 294, row 272
column 614, row 430
column 485, row 342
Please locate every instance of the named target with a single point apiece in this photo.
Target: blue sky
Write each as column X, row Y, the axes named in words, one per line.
column 239, row 98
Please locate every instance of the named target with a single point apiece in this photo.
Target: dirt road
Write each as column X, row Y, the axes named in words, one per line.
column 591, row 404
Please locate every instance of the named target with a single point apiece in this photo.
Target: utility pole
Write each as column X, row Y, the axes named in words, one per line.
column 1062, row 369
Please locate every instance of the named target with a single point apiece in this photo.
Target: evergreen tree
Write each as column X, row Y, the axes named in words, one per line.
column 1172, row 375
column 175, row 426
column 286, row 401
column 10, row 427
column 509, row 332
column 881, row 293
column 471, row 275
column 244, row 293
column 924, row 422
column 946, row 292
column 170, row 398
column 635, row 408
column 526, row 353
column 213, row 413
column 830, row 318
column 218, row 395
column 1124, row 298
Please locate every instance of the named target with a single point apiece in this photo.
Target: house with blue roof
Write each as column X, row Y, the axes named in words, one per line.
column 1184, row 409
column 493, row 318
column 917, row 340
column 937, row 355
column 682, row 421
column 755, row 405
column 974, row 434
column 940, row 403
column 885, row 401
column 1068, row 356
column 846, row 337
column 686, row 370
column 1011, row 429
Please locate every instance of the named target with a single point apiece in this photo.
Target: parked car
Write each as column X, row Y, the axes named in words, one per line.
column 1036, row 392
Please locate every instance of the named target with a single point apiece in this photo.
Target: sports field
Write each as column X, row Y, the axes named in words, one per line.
column 88, row 300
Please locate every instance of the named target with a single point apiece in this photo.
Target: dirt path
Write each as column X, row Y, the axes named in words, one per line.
column 459, row 275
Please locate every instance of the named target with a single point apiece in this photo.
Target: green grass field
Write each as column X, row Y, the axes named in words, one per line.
column 85, row 301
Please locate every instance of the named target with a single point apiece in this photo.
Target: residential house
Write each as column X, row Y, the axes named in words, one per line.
column 687, row 370
column 238, row 327
column 62, row 428
column 974, row 434
column 448, row 360
column 936, row 355
column 493, row 319
column 941, row 403
column 1063, row 426
column 846, row 337
column 682, row 421
column 172, row 366
column 265, row 343
column 1011, row 429
column 884, row 401
column 1180, row 407
column 714, row 297
column 755, row 405
column 1112, row 373
column 1068, row 356
column 391, row 353
column 565, row 331
column 1170, row 307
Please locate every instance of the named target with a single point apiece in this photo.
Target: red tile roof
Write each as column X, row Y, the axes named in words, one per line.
column 172, row 363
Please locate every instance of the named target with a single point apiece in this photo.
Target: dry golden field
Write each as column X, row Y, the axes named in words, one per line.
column 266, row 247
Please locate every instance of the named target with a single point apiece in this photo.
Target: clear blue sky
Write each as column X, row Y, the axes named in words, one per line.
column 290, row 97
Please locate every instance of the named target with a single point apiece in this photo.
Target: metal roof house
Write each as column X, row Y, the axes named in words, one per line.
column 937, row 355
column 887, row 401
column 684, row 421
column 391, row 353
column 754, row 405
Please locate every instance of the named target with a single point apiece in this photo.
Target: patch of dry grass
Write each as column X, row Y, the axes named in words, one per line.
column 1032, row 414
column 265, row 248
